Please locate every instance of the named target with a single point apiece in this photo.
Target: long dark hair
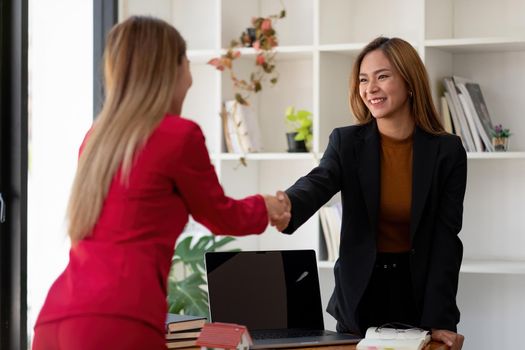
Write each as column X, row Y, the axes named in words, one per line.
column 408, row 63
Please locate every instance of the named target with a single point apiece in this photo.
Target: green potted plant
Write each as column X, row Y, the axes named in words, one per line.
column 186, row 281
column 300, row 122
column 500, row 138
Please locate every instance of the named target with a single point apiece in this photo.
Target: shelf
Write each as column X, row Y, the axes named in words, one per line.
column 264, row 156
column 201, row 56
column 496, row 155
column 471, row 45
column 348, row 48
column 352, row 49
column 284, row 52
column 483, row 155
column 493, row 266
column 471, row 266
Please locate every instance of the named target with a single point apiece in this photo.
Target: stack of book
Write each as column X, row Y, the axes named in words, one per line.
column 465, row 114
column 182, row 331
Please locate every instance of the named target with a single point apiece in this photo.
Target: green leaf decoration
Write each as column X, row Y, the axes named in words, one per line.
column 220, row 243
column 188, row 295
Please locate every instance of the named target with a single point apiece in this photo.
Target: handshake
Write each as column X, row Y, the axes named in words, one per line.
column 279, row 208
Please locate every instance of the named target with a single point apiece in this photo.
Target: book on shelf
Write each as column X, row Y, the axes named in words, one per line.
column 480, row 106
column 241, row 128
column 464, row 100
column 331, row 217
column 445, row 115
column 467, row 98
column 471, row 116
column 179, row 323
column 383, row 338
column 458, row 114
column 454, row 117
column 231, row 139
column 331, row 255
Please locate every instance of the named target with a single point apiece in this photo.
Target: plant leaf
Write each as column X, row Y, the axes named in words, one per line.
column 241, row 100
column 302, row 114
column 258, row 86
column 305, row 123
column 220, row 243
column 299, row 136
column 188, row 296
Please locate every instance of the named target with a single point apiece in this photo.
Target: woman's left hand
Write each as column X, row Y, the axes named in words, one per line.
column 454, row 340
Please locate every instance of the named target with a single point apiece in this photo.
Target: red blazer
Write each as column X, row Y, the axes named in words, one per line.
column 121, row 269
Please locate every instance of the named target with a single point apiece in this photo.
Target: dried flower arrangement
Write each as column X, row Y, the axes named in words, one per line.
column 263, row 38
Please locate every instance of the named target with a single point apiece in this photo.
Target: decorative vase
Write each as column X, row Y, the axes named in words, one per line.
column 295, row 146
column 501, row 144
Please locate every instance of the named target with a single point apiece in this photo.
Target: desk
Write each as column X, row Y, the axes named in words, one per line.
column 432, row 346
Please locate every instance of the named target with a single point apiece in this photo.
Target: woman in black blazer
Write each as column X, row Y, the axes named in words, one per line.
column 400, row 255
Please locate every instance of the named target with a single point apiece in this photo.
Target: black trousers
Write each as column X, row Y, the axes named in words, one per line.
column 389, row 295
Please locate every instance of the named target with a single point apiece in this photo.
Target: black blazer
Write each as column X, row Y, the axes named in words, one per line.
column 351, row 164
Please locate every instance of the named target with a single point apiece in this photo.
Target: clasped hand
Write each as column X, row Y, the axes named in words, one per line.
column 279, row 208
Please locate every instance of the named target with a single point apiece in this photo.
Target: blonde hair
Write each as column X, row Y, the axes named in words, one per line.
column 141, row 58
column 408, row 63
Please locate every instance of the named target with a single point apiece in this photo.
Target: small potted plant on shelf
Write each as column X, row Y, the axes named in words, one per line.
column 500, row 138
column 300, row 138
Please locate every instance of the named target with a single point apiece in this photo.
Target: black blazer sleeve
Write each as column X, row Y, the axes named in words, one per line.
column 439, row 306
column 310, row 192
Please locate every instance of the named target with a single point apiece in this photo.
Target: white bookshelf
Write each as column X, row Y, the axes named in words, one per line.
column 480, row 266
column 483, row 40
column 496, row 155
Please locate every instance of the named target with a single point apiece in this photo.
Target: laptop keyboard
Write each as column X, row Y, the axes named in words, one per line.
column 286, row 333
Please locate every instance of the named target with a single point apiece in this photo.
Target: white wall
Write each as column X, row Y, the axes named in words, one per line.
column 60, row 85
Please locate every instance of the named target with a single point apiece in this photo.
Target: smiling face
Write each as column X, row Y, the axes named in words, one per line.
column 382, row 88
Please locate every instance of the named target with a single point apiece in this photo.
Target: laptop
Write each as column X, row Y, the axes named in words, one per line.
column 273, row 293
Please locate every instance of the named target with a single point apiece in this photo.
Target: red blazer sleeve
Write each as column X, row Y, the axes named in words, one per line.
column 197, row 183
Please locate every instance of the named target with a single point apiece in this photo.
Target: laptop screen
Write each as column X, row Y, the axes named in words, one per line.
column 265, row 289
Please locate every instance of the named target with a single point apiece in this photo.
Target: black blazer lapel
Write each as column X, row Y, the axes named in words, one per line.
column 424, row 158
column 367, row 153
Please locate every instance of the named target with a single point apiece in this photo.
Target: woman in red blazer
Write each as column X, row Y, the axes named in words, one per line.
column 402, row 181
column 143, row 169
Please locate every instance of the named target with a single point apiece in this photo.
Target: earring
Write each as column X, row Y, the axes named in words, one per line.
column 411, row 94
